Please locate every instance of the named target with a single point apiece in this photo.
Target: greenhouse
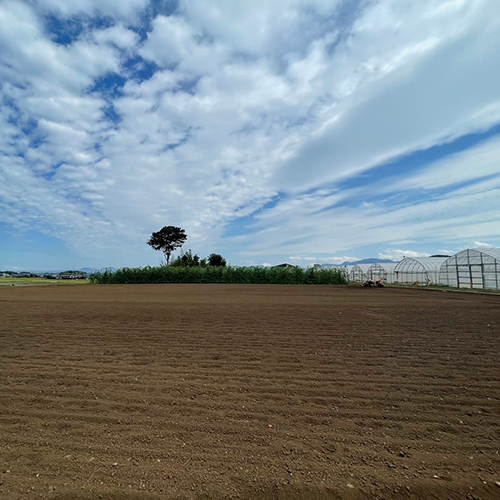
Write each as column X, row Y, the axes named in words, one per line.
column 347, row 269
column 359, row 272
column 472, row 269
column 382, row 271
column 421, row 270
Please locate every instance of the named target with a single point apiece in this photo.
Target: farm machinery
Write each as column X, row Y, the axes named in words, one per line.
column 372, row 284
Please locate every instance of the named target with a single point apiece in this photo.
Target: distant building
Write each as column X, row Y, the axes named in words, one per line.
column 72, row 275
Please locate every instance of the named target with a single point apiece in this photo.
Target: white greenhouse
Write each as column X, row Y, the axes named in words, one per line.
column 472, row 269
column 382, row 271
column 359, row 272
column 347, row 270
column 421, row 270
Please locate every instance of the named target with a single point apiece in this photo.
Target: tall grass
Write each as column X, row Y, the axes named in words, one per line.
column 209, row 274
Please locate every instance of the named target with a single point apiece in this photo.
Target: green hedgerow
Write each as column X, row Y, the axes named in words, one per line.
column 227, row 274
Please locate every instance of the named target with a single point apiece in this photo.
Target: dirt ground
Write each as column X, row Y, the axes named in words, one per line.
column 201, row 392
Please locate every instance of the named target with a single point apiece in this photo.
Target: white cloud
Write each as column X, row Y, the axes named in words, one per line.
column 339, row 260
column 431, row 81
column 241, row 102
column 447, row 218
column 29, row 59
column 302, row 258
column 260, row 28
column 469, row 165
column 170, row 41
column 123, row 8
column 322, row 260
column 479, row 245
column 397, row 255
column 118, row 35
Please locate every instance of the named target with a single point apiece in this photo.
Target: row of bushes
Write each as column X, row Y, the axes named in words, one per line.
column 210, row 274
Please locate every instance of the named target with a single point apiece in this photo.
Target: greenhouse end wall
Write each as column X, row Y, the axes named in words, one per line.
column 359, row 272
column 421, row 270
column 383, row 271
column 472, row 269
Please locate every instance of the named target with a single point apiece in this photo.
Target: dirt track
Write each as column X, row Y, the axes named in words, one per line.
column 253, row 392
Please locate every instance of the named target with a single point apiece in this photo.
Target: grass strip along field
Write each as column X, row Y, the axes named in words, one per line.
column 230, row 275
column 39, row 281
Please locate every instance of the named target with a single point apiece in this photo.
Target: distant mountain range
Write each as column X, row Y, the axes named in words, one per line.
column 362, row 261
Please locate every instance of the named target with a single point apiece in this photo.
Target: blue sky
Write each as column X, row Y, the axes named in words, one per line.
column 302, row 131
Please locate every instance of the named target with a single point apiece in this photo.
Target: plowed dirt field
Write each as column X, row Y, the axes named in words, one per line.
column 252, row 392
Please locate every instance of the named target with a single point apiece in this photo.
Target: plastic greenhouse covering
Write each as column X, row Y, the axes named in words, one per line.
column 359, row 272
column 421, row 270
column 383, row 271
column 472, row 269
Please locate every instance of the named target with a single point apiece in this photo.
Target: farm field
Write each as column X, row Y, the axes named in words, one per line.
column 131, row 392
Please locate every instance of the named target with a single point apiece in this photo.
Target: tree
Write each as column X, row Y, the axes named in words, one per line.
column 167, row 239
column 216, row 260
column 187, row 259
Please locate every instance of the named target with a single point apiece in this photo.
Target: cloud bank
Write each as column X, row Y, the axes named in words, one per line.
column 296, row 129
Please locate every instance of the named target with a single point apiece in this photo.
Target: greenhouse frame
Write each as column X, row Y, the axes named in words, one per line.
column 359, row 272
column 383, row 271
column 421, row 270
column 472, row 269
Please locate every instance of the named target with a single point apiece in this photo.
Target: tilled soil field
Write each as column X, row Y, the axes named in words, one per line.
column 253, row 392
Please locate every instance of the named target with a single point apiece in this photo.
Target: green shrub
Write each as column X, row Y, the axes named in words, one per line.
column 228, row 274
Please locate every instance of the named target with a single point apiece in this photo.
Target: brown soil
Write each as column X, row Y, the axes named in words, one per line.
column 252, row 392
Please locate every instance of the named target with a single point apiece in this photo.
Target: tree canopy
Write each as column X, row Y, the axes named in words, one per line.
column 216, row 260
column 167, row 239
column 187, row 259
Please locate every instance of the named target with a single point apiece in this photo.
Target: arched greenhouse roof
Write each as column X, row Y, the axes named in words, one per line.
column 430, row 264
column 362, row 267
column 385, row 266
column 494, row 253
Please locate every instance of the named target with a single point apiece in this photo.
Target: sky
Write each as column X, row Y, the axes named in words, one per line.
column 301, row 131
